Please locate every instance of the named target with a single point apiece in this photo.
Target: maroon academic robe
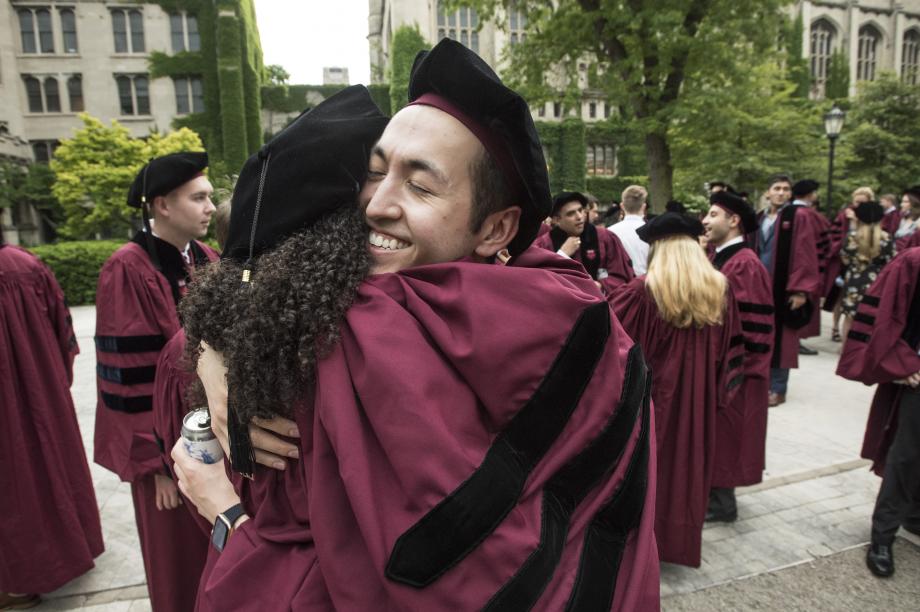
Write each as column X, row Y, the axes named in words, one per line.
column 796, row 269
column 741, row 429
column 695, row 375
column 135, row 317
column 836, row 234
column 50, row 531
column 606, row 262
column 463, row 454
column 882, row 347
column 891, row 221
column 270, row 562
column 824, row 247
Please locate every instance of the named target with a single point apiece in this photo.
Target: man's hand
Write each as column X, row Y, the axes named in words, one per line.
column 167, row 495
column 270, row 450
column 797, row 300
column 571, row 245
column 206, row 485
column 913, row 380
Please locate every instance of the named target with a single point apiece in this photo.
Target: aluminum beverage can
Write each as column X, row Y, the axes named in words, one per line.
column 198, row 439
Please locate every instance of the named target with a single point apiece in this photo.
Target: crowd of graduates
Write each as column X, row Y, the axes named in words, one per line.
column 436, row 386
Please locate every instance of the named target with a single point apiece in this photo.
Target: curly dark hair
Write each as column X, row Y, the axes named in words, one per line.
column 273, row 330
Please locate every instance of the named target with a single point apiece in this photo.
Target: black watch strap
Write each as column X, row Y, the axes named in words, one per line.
column 233, row 514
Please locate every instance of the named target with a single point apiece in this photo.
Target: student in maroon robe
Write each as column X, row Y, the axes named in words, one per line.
column 741, row 431
column 806, row 191
column 787, row 235
column 892, row 219
column 598, row 250
column 883, row 348
column 448, row 406
column 683, row 316
column 49, row 532
column 136, row 297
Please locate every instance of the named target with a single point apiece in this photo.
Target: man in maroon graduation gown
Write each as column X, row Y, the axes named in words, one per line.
column 598, row 250
column 461, row 453
column 882, row 348
column 49, row 532
column 787, row 237
column 741, row 435
column 806, row 191
column 139, row 288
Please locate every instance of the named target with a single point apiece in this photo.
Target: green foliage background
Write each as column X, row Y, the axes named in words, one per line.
column 76, row 266
column 406, row 43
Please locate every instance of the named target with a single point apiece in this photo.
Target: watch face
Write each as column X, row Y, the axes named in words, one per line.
column 219, row 534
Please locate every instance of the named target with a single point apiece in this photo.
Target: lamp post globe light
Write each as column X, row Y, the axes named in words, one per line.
column 833, row 124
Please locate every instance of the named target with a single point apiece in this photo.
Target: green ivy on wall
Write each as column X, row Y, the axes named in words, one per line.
column 230, row 66
column 404, row 46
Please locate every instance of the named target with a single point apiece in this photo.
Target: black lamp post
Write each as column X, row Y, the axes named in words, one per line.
column 833, row 124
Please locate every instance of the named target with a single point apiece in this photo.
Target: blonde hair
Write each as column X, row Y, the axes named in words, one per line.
column 869, row 240
column 864, row 191
column 683, row 283
column 633, row 198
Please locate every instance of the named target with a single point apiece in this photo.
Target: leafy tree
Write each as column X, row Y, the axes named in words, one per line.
column 29, row 184
column 883, row 135
column 406, row 43
column 95, row 168
column 648, row 54
column 276, row 75
column 838, row 77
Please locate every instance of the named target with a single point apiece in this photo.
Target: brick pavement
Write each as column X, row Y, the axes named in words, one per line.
column 816, row 499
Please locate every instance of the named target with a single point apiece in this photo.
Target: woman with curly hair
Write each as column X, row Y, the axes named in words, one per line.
column 684, row 317
column 295, row 255
column 866, row 251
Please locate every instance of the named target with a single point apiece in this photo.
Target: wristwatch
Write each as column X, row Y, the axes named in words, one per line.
column 223, row 526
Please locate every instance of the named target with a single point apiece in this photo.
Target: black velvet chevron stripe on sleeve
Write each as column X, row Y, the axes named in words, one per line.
column 764, row 309
column 130, row 344
column 131, row 405
column 126, row 376
column 569, row 486
column 760, row 328
column 463, row 519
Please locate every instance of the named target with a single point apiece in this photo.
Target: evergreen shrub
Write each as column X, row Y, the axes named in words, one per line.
column 76, row 266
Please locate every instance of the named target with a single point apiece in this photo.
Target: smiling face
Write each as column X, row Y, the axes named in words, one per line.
column 571, row 218
column 419, row 193
column 720, row 225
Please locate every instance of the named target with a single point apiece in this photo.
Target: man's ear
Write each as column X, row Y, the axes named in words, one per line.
column 497, row 231
column 159, row 207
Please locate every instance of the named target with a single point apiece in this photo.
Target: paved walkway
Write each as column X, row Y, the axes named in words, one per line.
column 816, row 499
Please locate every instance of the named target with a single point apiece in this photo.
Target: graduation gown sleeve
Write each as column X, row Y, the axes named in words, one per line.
column 434, row 387
column 615, row 260
column 135, row 317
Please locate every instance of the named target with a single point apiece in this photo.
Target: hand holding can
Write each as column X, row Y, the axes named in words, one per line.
column 198, row 439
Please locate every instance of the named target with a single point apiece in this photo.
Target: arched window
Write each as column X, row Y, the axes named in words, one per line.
column 910, row 58
column 128, row 26
column 69, row 30
column 52, row 96
column 822, row 46
column 27, row 31
column 194, row 38
column 517, row 24
column 136, row 19
column 867, row 56
column 176, row 32
column 460, row 25
column 120, row 31
column 75, row 93
column 34, row 94
column 45, row 33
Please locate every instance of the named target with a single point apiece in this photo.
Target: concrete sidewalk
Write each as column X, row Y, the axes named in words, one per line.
column 816, row 499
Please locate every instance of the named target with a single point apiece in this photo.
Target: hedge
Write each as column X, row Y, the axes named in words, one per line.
column 610, row 188
column 76, row 266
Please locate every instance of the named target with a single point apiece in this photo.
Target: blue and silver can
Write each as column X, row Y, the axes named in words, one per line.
column 198, row 439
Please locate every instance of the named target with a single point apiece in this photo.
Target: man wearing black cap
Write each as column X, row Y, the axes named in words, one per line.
column 806, row 193
column 139, row 288
column 598, row 250
column 741, row 429
column 787, row 235
column 450, row 407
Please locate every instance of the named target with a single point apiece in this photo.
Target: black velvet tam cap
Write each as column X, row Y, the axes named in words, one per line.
column 455, row 73
column 913, row 191
column 315, row 165
column 670, row 224
column 735, row 205
column 565, row 197
column 804, row 187
column 163, row 174
column 870, row 212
